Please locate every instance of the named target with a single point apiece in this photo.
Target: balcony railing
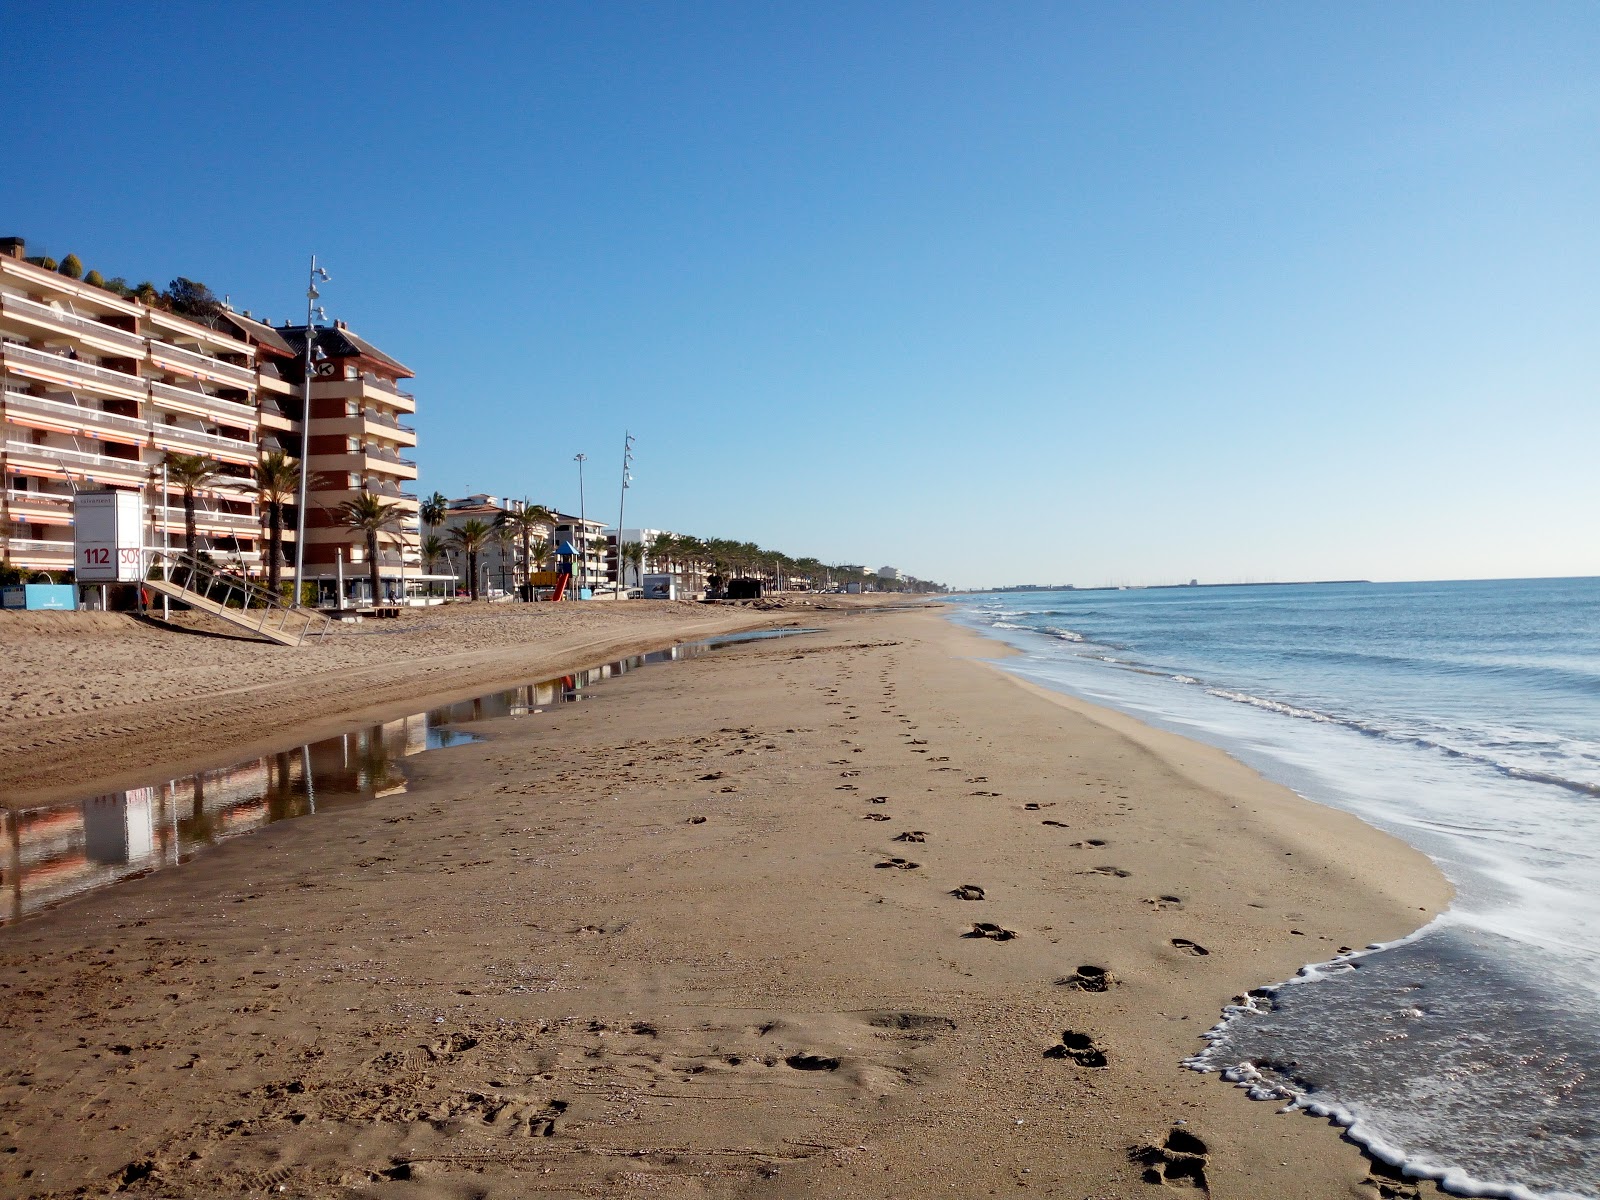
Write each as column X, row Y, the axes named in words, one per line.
column 211, row 368
column 240, row 449
column 35, row 546
column 377, row 418
column 21, row 356
column 388, row 456
column 48, row 314
column 191, row 400
column 82, row 414
column 42, row 501
column 173, row 515
column 61, row 457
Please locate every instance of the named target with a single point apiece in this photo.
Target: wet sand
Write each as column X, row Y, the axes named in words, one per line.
column 647, row 944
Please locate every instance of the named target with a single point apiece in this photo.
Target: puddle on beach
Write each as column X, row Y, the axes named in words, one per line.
column 52, row 854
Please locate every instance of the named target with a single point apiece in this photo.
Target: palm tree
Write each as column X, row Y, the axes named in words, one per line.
column 191, row 472
column 277, row 484
column 526, row 522
column 432, row 548
column 631, row 554
column 433, row 510
column 373, row 517
column 470, row 537
column 505, row 539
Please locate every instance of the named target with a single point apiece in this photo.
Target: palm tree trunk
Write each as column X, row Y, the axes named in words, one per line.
column 372, row 560
column 188, row 521
column 472, row 574
column 274, row 546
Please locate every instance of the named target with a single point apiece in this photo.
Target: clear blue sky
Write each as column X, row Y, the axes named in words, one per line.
column 994, row 293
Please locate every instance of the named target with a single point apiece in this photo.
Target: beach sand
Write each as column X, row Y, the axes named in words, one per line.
column 647, row 945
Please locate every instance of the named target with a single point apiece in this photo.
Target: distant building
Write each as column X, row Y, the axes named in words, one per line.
column 588, row 540
column 500, row 565
column 635, row 575
column 889, row 573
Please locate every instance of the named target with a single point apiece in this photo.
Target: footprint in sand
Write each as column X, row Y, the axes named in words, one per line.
column 983, row 793
column 1087, row 844
column 1055, row 824
column 1090, row 979
column 812, row 1062
column 1162, row 903
column 697, row 820
column 968, row 891
column 851, row 774
column 1180, row 1161
column 1112, row 872
column 911, row 835
column 899, row 864
column 1188, row 947
column 847, row 787
column 989, row 931
column 877, row 799
column 876, row 817
column 1035, row 806
column 1081, row 1048
column 979, row 779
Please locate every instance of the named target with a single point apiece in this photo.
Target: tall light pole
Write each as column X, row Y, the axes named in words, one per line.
column 583, row 529
column 622, row 502
column 317, row 273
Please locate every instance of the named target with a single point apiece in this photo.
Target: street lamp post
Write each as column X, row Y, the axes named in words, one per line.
column 305, row 437
column 583, row 528
column 622, row 503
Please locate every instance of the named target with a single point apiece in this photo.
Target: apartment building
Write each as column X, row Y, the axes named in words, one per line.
column 358, row 442
column 500, row 566
column 95, row 390
column 588, row 540
column 635, row 575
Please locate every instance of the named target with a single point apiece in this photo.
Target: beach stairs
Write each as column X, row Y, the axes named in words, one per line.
column 232, row 598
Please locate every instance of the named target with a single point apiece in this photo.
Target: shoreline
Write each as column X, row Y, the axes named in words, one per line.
column 708, row 921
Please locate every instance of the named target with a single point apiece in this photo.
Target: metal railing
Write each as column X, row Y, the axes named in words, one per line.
column 232, row 410
column 242, row 600
column 17, row 352
column 45, row 500
column 33, row 310
column 58, row 456
column 218, row 441
column 245, row 376
column 96, row 417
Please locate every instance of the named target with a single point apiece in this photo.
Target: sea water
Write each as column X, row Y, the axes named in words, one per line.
column 1462, row 717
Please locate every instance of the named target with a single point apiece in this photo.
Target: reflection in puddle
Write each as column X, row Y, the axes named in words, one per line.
column 51, row 854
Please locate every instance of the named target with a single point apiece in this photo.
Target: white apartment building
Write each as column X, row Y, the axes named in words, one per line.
column 95, row 390
column 634, row 574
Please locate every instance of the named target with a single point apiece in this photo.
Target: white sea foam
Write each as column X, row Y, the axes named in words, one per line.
column 1066, row 635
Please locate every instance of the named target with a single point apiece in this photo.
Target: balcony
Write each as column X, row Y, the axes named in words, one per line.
column 59, row 462
column 201, row 366
column 365, row 461
column 31, row 552
column 47, row 508
column 208, row 519
column 71, row 373
column 200, row 404
column 368, row 387
column 66, row 417
column 186, row 441
column 47, row 316
column 368, row 422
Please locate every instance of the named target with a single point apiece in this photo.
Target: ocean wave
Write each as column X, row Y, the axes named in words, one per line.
column 1066, row 635
column 1423, row 742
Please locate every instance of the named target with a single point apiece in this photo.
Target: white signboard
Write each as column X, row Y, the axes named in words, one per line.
column 107, row 528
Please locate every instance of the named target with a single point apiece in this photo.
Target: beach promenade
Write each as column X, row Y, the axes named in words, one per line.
column 843, row 914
